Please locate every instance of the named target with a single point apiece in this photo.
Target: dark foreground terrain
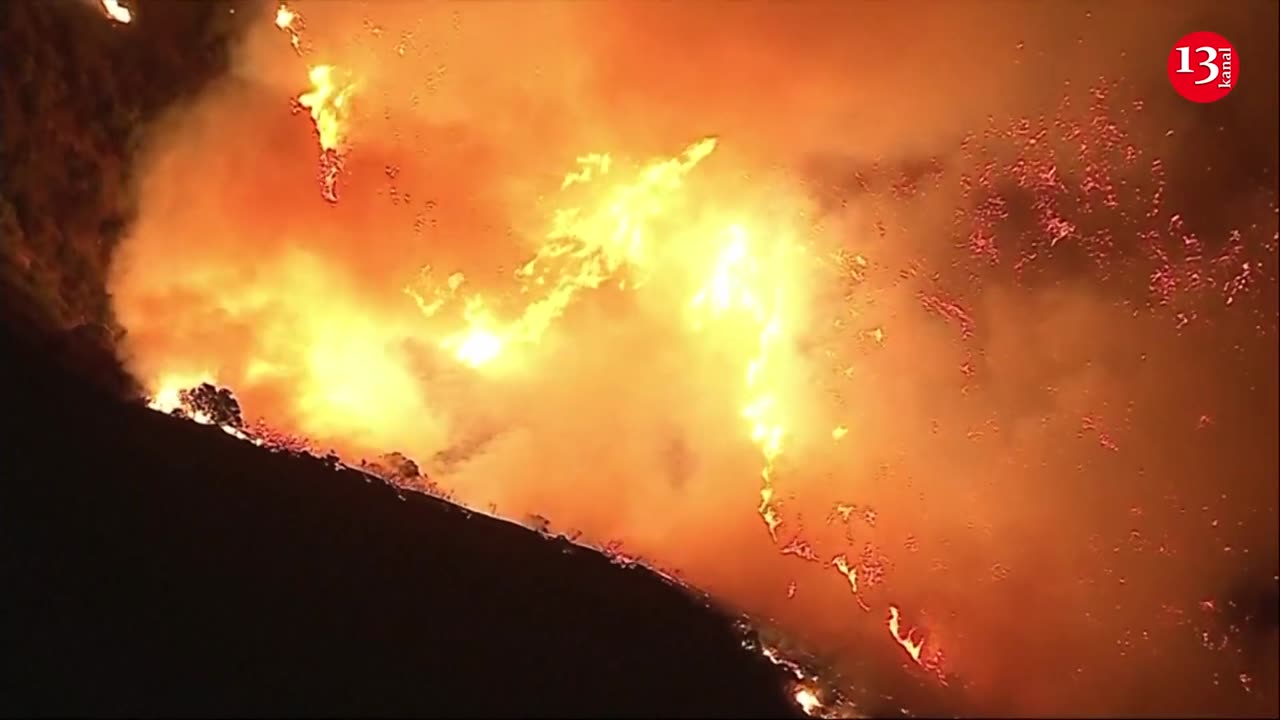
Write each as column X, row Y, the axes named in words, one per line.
column 155, row 566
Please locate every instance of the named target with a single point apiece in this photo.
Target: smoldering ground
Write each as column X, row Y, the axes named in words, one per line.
column 1052, row 472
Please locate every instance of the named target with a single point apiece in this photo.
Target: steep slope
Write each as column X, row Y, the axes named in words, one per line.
column 155, row 566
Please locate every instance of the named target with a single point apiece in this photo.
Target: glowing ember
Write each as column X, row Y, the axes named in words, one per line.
column 117, row 12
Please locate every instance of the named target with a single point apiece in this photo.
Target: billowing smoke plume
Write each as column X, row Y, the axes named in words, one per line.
column 1019, row 403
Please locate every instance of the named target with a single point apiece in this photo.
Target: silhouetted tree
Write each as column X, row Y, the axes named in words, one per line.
column 399, row 470
column 215, row 403
column 400, row 466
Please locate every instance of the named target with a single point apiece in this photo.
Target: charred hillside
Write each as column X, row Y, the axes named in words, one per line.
column 155, row 566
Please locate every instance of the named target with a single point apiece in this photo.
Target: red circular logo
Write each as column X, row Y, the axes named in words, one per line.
column 1204, row 67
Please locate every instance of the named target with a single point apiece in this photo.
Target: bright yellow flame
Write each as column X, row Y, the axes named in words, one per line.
column 328, row 103
column 737, row 284
column 807, row 700
column 166, row 393
column 284, row 17
column 479, row 347
column 117, row 12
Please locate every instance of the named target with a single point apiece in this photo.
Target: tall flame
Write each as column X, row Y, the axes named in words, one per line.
column 737, row 284
column 328, row 102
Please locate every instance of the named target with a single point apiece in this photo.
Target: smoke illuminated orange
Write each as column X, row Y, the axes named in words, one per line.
column 583, row 287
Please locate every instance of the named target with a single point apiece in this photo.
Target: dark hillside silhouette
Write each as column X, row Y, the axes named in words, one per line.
column 154, row 566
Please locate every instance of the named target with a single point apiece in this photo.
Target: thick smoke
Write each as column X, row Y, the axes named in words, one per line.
column 1066, row 485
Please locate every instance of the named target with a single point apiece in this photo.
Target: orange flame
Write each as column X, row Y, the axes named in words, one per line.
column 914, row 646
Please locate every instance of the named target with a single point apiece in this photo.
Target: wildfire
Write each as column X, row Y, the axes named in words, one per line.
column 117, row 12
column 616, row 224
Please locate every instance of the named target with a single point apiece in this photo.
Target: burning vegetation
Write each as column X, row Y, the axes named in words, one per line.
column 966, row 343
